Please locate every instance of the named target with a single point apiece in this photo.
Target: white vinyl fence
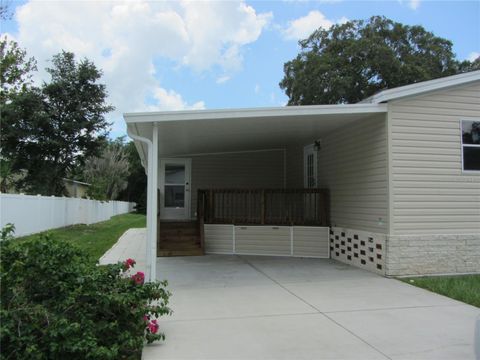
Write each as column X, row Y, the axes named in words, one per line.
column 31, row 214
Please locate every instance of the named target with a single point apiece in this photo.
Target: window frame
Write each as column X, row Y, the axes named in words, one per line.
column 307, row 150
column 462, row 145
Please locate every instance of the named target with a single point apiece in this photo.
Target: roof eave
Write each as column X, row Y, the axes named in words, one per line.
column 424, row 87
column 305, row 110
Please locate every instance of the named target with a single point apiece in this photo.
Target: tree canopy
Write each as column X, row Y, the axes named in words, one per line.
column 59, row 130
column 49, row 130
column 136, row 190
column 108, row 172
column 15, row 85
column 116, row 174
column 15, row 69
column 350, row 62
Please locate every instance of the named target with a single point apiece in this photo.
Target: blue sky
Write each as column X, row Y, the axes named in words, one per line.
column 193, row 55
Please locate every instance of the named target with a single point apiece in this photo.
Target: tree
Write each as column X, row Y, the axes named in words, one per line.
column 16, row 95
column 47, row 132
column 466, row 66
column 24, row 136
column 6, row 176
column 108, row 172
column 137, row 180
column 5, row 13
column 15, row 70
column 351, row 61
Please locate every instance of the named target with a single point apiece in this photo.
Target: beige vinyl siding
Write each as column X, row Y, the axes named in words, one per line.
column 262, row 240
column 218, row 239
column 261, row 169
column 311, row 241
column 430, row 192
column 352, row 163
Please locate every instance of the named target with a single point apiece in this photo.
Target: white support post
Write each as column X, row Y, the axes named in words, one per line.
column 154, row 202
column 151, row 203
column 150, row 210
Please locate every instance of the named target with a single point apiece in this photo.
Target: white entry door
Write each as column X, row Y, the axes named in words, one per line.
column 174, row 180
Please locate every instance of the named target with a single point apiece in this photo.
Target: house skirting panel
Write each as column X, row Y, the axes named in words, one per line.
column 362, row 249
column 299, row 241
column 433, row 254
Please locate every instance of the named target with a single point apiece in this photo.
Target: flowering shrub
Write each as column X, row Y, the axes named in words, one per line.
column 151, row 327
column 57, row 304
column 138, row 278
column 129, row 263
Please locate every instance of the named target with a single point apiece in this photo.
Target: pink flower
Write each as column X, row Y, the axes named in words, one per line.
column 138, row 278
column 127, row 264
column 146, row 318
column 153, row 326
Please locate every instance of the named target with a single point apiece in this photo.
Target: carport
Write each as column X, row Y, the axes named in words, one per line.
column 268, row 159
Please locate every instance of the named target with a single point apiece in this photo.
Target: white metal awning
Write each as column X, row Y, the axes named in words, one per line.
column 211, row 131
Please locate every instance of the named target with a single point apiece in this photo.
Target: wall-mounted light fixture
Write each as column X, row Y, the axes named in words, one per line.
column 317, row 145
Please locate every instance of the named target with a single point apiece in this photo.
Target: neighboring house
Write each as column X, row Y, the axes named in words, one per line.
column 76, row 189
column 401, row 173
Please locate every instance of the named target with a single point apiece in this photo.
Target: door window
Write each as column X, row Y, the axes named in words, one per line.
column 174, row 186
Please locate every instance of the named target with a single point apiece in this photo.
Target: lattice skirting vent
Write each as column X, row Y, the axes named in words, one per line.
column 358, row 248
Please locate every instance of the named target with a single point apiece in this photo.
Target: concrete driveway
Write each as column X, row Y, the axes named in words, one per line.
column 252, row 307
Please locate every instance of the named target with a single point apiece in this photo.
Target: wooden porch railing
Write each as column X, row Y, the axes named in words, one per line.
column 263, row 206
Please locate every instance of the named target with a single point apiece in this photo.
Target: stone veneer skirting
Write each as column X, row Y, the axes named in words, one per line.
column 433, row 254
column 362, row 249
column 401, row 255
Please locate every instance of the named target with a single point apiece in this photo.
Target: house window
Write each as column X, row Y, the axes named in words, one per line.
column 310, row 167
column 470, row 145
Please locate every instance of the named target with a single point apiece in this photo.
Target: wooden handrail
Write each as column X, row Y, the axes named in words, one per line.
column 264, row 206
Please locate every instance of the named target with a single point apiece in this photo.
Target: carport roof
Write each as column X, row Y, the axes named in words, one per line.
column 212, row 131
column 206, row 131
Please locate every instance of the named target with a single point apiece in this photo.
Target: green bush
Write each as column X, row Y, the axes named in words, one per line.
column 55, row 304
column 7, row 232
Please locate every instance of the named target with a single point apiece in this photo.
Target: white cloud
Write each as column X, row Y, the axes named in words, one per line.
column 317, row 1
column 222, row 79
column 473, row 56
column 303, row 27
column 125, row 38
column 170, row 100
column 414, row 4
column 257, row 89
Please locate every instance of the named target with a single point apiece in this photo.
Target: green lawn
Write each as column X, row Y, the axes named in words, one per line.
column 97, row 238
column 465, row 288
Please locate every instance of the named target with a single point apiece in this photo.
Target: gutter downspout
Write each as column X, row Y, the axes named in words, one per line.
column 152, row 174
